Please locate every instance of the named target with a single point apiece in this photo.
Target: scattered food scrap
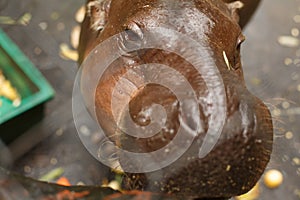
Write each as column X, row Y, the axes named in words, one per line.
column 296, row 161
column 23, row 20
column 8, row 91
column 273, row 178
column 253, row 194
column 114, row 184
column 63, row 181
column 75, row 36
column 67, row 53
column 53, row 174
column 288, row 41
column 79, row 16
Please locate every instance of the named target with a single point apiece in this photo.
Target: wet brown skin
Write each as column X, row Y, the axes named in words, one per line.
column 244, row 147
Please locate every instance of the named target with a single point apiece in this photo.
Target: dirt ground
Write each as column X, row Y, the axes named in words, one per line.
column 271, row 61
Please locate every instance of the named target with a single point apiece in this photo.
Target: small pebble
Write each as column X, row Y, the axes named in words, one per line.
column 296, row 18
column 85, row 130
column 273, row 178
column 53, row 161
column 276, row 112
column 59, row 132
column 289, row 135
column 288, row 61
column 27, row 169
column 43, row 25
column 80, row 183
column 37, row 51
column 296, row 161
column 60, row 26
column 285, row 105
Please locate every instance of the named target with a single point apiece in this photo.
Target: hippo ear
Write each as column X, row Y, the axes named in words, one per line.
column 234, row 7
column 97, row 11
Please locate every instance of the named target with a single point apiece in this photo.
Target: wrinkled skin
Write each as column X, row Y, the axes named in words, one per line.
column 244, row 147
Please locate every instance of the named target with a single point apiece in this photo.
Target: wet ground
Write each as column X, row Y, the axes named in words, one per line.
column 271, row 67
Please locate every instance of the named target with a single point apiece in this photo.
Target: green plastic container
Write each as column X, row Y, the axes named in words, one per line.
column 30, row 84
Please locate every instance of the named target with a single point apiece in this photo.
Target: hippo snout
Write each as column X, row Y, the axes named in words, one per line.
column 234, row 164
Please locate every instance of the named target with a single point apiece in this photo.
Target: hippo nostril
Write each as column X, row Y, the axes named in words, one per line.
column 130, row 41
column 131, row 37
column 247, row 119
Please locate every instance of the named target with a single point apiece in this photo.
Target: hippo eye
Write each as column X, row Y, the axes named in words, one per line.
column 240, row 40
column 237, row 56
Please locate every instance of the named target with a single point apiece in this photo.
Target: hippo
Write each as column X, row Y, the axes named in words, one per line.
column 243, row 147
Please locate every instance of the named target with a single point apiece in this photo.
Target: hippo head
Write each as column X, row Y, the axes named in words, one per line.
column 228, row 130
